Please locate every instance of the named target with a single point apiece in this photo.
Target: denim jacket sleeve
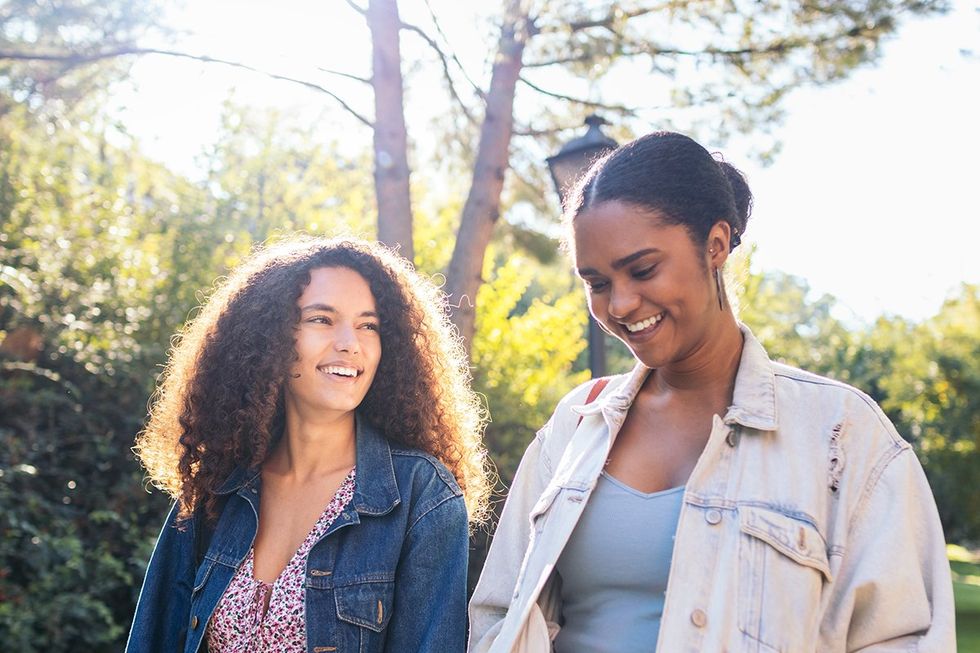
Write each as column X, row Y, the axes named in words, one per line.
column 160, row 623
column 893, row 591
column 430, row 583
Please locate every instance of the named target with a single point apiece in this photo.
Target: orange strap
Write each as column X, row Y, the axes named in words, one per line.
column 597, row 388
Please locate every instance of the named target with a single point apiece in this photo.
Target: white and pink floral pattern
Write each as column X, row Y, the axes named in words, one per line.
column 257, row 617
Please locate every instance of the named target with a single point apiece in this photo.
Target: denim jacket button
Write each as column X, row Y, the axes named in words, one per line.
column 712, row 517
column 699, row 618
column 194, row 622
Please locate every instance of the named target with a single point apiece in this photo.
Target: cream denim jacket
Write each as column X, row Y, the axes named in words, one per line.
column 807, row 525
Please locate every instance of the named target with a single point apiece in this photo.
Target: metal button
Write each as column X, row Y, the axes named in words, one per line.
column 699, row 618
column 712, row 516
column 194, row 622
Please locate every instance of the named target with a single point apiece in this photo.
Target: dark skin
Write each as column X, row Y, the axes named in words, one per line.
column 653, row 287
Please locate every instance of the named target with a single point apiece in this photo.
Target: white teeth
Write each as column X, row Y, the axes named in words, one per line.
column 639, row 326
column 337, row 369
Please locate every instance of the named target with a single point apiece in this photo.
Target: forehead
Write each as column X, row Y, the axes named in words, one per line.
column 612, row 230
column 342, row 288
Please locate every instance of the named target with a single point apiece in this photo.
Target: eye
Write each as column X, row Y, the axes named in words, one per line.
column 319, row 319
column 371, row 326
column 645, row 273
column 596, row 285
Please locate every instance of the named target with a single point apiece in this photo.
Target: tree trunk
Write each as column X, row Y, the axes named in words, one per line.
column 391, row 173
column 482, row 208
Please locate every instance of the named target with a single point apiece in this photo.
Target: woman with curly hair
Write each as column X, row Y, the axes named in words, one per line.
column 316, row 427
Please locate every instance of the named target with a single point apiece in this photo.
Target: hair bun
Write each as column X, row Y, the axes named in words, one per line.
column 742, row 196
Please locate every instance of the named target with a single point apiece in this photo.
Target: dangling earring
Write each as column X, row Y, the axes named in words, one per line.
column 720, row 285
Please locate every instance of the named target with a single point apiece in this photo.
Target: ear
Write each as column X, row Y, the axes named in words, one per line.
column 718, row 245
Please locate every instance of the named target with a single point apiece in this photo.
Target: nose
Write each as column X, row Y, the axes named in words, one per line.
column 622, row 302
column 345, row 339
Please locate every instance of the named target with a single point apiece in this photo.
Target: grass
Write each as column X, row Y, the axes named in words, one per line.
column 966, row 591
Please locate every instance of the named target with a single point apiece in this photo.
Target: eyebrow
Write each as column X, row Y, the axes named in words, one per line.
column 622, row 262
column 326, row 308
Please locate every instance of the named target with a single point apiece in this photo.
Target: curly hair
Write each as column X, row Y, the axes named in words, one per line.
column 220, row 400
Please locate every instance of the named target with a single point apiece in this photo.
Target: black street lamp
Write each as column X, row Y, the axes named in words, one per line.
column 566, row 167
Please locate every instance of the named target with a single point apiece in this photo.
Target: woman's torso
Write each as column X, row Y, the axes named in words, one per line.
column 764, row 516
column 348, row 580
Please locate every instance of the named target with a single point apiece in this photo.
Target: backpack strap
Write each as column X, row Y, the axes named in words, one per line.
column 594, row 392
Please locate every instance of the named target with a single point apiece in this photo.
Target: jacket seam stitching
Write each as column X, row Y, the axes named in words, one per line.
column 869, row 488
column 427, row 512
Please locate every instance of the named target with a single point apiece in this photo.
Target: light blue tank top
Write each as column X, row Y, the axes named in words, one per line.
column 614, row 569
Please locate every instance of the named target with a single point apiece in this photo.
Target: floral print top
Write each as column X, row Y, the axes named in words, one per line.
column 258, row 617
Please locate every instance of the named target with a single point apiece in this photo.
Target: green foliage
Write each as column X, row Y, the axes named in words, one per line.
column 525, row 345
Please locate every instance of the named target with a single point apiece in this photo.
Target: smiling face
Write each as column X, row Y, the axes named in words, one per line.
column 646, row 281
column 338, row 345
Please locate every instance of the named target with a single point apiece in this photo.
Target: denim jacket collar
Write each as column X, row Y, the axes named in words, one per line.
column 376, row 491
column 753, row 401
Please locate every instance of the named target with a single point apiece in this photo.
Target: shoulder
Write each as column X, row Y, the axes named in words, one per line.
column 422, row 475
column 802, row 392
column 554, row 436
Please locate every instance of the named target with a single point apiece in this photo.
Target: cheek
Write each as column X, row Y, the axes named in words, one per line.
column 306, row 347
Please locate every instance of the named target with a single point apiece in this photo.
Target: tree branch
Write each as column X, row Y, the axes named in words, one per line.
column 339, row 73
column 550, row 131
column 358, row 8
column 452, row 52
column 81, row 59
column 445, row 68
column 608, row 20
column 780, row 46
column 559, row 61
column 618, row 108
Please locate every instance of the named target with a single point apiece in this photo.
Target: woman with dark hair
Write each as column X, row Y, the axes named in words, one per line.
column 711, row 499
column 316, row 427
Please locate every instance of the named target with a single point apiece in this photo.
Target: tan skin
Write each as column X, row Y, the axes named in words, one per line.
column 338, row 329
column 637, row 268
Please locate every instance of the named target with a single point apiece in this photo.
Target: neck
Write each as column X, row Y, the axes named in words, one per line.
column 709, row 368
column 311, row 448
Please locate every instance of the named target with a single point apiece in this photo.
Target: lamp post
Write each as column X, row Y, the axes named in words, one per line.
column 571, row 162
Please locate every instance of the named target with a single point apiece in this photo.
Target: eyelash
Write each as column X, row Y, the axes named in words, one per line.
column 645, row 273
column 320, row 319
column 599, row 286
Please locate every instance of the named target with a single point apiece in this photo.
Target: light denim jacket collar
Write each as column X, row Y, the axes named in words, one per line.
column 376, row 492
column 753, row 402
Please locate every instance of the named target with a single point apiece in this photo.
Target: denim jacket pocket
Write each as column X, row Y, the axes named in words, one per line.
column 367, row 605
column 783, row 567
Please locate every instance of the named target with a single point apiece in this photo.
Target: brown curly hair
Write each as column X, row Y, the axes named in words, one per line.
column 219, row 403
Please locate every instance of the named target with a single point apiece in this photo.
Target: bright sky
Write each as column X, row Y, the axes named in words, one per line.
column 873, row 198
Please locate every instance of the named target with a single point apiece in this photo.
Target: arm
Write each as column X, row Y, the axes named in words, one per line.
column 893, row 591
column 160, row 622
column 499, row 577
column 430, row 584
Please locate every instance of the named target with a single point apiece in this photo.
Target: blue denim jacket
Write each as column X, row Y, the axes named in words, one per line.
column 389, row 574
